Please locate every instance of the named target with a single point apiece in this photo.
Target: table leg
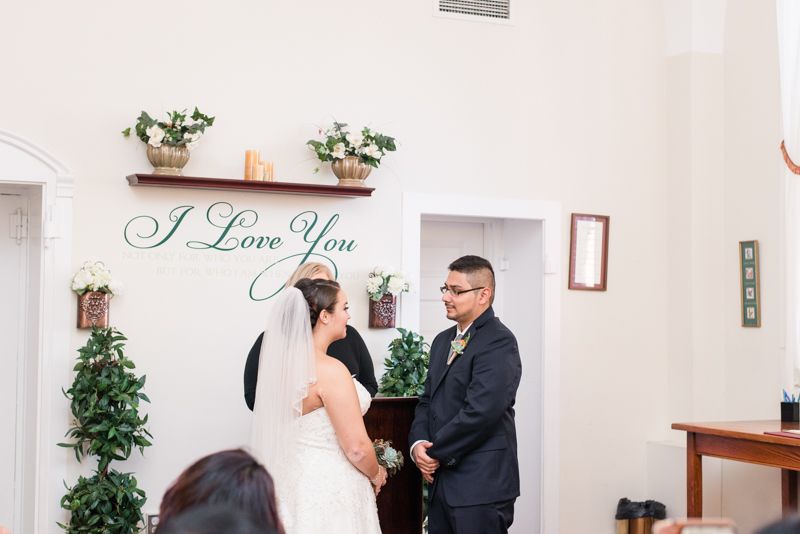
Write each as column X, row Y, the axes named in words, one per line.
column 789, row 491
column 694, row 478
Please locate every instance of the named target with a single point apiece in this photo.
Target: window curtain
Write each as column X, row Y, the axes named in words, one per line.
column 789, row 58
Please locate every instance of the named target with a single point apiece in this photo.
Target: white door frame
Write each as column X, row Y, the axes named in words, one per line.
column 33, row 166
column 415, row 205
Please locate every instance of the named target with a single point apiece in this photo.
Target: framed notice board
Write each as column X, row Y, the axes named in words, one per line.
column 588, row 252
column 750, row 290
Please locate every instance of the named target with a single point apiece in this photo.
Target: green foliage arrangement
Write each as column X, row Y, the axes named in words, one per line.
column 406, row 366
column 105, row 398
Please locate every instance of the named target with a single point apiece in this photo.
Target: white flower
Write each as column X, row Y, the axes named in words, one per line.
column 355, row 139
column 338, row 150
column 386, row 271
column 82, row 279
column 115, row 286
column 188, row 121
column 396, row 285
column 373, row 151
column 155, row 134
column 374, row 284
column 193, row 138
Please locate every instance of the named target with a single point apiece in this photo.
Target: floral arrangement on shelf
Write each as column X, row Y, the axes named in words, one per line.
column 390, row 458
column 385, row 280
column 181, row 129
column 95, row 276
column 369, row 146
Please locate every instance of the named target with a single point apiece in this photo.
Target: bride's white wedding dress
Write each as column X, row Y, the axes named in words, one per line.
column 319, row 491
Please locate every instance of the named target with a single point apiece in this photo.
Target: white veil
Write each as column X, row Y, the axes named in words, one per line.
column 285, row 371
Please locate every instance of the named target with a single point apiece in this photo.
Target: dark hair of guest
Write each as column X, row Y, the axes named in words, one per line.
column 785, row 526
column 320, row 295
column 478, row 271
column 230, row 478
column 214, row 519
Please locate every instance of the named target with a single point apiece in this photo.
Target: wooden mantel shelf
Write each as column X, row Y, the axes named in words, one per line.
column 191, row 182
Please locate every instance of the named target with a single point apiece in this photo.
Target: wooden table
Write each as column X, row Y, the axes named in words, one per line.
column 743, row 441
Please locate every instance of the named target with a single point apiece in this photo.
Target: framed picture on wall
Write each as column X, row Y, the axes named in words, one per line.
column 588, row 252
column 749, row 288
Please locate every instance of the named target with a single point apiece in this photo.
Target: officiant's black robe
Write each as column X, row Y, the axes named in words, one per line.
column 351, row 351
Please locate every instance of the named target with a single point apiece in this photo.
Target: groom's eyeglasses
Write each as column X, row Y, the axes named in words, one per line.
column 457, row 292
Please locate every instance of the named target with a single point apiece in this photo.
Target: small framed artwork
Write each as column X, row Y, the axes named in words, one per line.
column 588, row 252
column 750, row 290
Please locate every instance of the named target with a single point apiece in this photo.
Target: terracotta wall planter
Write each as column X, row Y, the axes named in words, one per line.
column 382, row 314
column 93, row 308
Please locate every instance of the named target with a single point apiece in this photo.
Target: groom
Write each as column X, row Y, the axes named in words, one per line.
column 463, row 434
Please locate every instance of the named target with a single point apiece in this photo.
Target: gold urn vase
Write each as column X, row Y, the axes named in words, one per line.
column 93, row 307
column 350, row 171
column 382, row 313
column 168, row 160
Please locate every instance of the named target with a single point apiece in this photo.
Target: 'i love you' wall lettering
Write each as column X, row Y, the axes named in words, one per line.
column 228, row 231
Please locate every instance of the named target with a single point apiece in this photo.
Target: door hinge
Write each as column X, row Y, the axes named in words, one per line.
column 18, row 226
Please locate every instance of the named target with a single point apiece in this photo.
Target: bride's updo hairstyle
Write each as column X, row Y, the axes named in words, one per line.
column 320, row 295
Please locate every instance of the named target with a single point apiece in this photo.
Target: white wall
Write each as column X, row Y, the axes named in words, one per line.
column 751, row 494
column 567, row 105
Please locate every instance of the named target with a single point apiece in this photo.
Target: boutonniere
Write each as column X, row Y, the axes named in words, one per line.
column 458, row 347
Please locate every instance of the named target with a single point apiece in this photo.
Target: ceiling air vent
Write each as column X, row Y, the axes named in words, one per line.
column 483, row 10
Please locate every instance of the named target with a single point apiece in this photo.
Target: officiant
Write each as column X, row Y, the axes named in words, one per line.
column 351, row 351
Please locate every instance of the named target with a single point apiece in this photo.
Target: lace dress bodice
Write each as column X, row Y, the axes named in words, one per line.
column 319, row 490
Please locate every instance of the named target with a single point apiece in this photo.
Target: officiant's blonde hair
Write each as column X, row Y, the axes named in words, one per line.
column 307, row 270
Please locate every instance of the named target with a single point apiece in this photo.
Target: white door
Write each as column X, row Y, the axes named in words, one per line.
column 12, row 272
column 442, row 242
column 524, row 281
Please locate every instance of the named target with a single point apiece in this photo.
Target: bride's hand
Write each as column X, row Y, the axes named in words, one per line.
column 380, row 479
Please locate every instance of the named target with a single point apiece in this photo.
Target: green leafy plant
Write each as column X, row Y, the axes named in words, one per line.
column 368, row 145
column 181, row 129
column 104, row 399
column 406, row 366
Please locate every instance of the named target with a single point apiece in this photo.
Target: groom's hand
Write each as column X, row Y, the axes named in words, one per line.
column 425, row 463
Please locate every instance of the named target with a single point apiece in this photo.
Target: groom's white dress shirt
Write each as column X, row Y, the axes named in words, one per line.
column 459, row 335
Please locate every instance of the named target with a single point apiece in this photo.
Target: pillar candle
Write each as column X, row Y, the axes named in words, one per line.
column 257, row 172
column 251, row 157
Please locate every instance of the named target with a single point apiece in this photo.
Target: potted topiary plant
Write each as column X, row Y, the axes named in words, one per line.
column 104, row 400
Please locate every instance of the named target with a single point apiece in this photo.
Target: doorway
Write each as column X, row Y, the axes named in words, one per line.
column 514, row 247
column 13, row 271
column 519, row 238
column 35, row 260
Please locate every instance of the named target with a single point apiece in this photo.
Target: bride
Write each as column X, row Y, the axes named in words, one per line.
column 308, row 426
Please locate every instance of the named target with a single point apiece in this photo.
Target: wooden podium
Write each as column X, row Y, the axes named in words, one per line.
column 400, row 500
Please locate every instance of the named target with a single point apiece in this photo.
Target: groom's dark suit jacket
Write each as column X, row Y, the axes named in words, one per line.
column 467, row 412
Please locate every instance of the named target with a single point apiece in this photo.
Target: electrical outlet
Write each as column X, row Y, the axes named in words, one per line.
column 150, row 523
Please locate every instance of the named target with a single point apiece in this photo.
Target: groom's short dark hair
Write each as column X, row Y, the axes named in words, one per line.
column 478, row 271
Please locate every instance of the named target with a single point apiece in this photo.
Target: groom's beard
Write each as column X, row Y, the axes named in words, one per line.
column 464, row 309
